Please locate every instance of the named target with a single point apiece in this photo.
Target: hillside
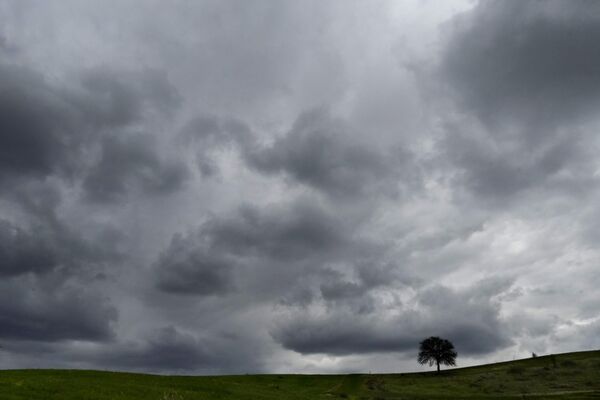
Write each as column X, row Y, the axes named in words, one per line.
column 571, row 376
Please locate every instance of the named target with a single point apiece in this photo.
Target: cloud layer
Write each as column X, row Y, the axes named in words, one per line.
column 220, row 187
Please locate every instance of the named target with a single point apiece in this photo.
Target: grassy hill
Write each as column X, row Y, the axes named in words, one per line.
column 568, row 376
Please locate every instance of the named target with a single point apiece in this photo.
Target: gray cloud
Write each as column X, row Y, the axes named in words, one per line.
column 129, row 164
column 498, row 172
column 469, row 318
column 209, row 133
column 318, row 151
column 39, row 311
column 49, row 245
column 22, row 252
column 169, row 349
column 47, row 129
column 541, row 72
column 257, row 241
column 533, row 86
column 285, row 233
column 122, row 98
column 49, row 273
column 341, row 335
column 36, row 125
column 185, row 267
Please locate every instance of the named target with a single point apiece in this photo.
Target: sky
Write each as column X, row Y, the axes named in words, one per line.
column 224, row 187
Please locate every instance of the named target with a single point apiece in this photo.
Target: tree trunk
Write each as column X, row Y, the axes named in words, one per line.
column 438, row 366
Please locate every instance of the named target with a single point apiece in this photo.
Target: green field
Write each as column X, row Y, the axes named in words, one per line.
column 568, row 376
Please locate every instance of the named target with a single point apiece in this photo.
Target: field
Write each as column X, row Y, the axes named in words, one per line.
column 564, row 376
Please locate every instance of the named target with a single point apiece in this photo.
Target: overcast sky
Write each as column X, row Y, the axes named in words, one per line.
column 297, row 186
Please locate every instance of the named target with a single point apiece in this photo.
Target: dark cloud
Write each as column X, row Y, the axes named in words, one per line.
column 341, row 335
column 320, row 152
column 129, row 164
column 285, row 233
column 470, row 318
column 122, row 98
column 36, row 310
column 361, row 282
column 526, row 62
column 36, row 125
column 50, row 245
column 48, row 129
column 204, row 262
column 498, row 172
column 188, row 268
column 534, row 87
column 22, row 252
column 114, row 104
column 340, row 290
column 48, row 272
column 169, row 349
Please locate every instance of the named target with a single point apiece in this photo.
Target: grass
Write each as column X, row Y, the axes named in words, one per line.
column 568, row 376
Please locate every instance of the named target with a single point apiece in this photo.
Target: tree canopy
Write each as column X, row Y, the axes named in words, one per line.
column 435, row 350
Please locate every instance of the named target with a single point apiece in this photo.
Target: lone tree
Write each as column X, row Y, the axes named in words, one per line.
column 435, row 350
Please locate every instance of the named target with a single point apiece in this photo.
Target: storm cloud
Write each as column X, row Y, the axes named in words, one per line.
column 542, row 71
column 23, row 252
column 32, row 311
column 319, row 152
column 534, row 88
column 468, row 317
column 282, row 243
column 168, row 349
